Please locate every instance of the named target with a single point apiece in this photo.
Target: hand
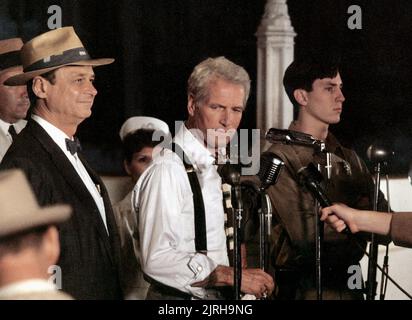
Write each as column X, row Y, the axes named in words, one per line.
column 257, row 282
column 254, row 281
column 338, row 216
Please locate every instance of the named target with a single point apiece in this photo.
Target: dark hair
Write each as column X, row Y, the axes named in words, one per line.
column 27, row 239
column 302, row 73
column 136, row 141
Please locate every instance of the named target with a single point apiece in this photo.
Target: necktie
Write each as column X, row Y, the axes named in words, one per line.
column 73, row 145
column 12, row 132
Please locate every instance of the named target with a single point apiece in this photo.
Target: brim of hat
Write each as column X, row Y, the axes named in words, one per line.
column 22, row 78
column 51, row 215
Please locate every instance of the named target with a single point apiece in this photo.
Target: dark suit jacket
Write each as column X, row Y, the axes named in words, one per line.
column 89, row 256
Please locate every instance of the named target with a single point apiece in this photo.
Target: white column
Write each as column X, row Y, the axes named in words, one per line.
column 275, row 52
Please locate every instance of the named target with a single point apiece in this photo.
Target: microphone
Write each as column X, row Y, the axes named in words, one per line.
column 270, row 167
column 311, row 178
column 379, row 154
column 230, row 174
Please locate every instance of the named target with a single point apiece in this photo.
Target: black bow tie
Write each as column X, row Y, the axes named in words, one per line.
column 73, row 145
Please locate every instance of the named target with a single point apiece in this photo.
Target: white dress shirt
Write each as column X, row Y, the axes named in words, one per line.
column 5, row 137
column 59, row 137
column 164, row 201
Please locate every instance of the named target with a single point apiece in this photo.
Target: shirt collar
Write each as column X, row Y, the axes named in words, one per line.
column 31, row 285
column 331, row 143
column 58, row 136
column 4, row 126
column 197, row 152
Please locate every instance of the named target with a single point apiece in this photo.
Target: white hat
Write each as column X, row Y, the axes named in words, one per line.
column 149, row 123
column 19, row 210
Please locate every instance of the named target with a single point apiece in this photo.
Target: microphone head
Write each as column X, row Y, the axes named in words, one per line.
column 309, row 174
column 270, row 167
column 377, row 153
column 230, row 173
column 311, row 178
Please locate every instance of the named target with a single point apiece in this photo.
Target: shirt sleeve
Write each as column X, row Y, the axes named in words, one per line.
column 164, row 203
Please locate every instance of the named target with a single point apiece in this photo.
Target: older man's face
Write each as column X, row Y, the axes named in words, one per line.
column 71, row 97
column 219, row 116
column 14, row 101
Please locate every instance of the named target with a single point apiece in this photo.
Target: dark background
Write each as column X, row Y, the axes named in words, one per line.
column 156, row 43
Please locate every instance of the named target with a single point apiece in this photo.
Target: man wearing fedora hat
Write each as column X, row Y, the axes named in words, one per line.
column 60, row 75
column 14, row 101
column 29, row 241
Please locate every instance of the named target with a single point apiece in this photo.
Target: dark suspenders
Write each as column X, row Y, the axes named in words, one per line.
column 199, row 207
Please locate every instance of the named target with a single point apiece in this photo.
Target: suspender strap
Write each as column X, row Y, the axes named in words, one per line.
column 200, row 218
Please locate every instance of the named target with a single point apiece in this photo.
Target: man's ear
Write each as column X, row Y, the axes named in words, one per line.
column 191, row 105
column 301, row 96
column 39, row 87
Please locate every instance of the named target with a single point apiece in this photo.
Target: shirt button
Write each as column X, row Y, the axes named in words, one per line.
column 199, row 268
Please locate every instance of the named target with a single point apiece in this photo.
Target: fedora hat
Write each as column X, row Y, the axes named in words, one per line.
column 149, row 123
column 10, row 53
column 19, row 210
column 50, row 51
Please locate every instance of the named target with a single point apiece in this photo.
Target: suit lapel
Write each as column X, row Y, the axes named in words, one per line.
column 72, row 178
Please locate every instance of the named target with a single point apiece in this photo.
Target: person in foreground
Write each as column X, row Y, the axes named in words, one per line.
column 29, row 242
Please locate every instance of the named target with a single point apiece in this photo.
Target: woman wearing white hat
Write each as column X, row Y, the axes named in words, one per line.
column 139, row 137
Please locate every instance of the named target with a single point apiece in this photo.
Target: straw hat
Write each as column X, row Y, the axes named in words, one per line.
column 10, row 53
column 149, row 123
column 19, row 210
column 50, row 51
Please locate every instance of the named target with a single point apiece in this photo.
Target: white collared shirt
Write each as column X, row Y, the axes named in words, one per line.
column 164, row 201
column 5, row 137
column 59, row 137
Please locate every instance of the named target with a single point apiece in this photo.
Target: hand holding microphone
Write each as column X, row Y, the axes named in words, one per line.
column 311, row 178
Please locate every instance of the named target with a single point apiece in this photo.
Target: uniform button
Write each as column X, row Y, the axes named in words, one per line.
column 199, row 268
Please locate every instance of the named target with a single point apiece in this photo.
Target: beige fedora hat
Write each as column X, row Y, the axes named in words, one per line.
column 149, row 123
column 52, row 50
column 10, row 53
column 19, row 210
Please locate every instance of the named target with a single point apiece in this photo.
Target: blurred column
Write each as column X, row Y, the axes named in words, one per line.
column 275, row 45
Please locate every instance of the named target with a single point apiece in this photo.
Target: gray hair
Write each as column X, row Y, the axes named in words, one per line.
column 212, row 69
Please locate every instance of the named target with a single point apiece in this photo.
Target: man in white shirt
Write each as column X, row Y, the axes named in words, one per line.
column 60, row 75
column 217, row 93
column 14, row 101
column 29, row 242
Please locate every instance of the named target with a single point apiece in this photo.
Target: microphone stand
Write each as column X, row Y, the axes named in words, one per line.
column 237, row 256
column 265, row 220
column 371, row 283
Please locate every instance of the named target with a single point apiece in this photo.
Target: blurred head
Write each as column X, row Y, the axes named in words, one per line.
column 29, row 253
column 217, row 91
column 14, row 102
